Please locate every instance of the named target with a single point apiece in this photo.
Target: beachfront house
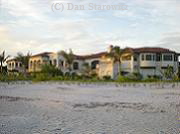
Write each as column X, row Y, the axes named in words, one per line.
column 56, row 59
column 13, row 65
column 148, row 61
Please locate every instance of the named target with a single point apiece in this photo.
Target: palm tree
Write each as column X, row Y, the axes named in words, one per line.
column 24, row 59
column 69, row 57
column 115, row 54
column 86, row 69
column 3, row 59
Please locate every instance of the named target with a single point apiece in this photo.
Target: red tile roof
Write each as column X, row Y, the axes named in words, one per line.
column 13, row 59
column 149, row 50
column 92, row 56
column 42, row 54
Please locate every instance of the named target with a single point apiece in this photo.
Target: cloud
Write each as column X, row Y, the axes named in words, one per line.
column 31, row 25
column 21, row 8
column 4, row 32
column 171, row 40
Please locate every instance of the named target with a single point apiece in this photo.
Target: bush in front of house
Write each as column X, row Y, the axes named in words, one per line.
column 131, row 77
column 51, row 70
column 48, row 72
column 107, row 78
column 152, row 78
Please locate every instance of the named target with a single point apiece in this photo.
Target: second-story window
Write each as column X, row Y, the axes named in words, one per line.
column 175, row 58
column 148, row 57
column 167, row 57
column 135, row 58
column 142, row 57
column 158, row 57
column 154, row 57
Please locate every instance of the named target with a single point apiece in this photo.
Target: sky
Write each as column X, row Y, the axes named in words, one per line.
column 32, row 26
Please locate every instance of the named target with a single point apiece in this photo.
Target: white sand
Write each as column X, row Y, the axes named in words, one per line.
column 49, row 108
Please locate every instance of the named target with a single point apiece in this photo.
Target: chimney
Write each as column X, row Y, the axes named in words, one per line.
column 110, row 48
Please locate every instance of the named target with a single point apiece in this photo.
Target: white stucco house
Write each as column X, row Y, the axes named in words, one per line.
column 148, row 61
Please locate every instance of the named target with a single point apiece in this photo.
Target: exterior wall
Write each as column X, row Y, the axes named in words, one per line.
column 90, row 62
column 105, row 68
column 116, row 69
column 147, row 72
column 108, row 68
column 60, row 62
column 36, row 62
column 127, row 65
column 155, row 67
column 147, row 67
column 13, row 65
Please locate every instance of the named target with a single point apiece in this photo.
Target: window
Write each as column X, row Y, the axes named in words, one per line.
column 167, row 57
column 38, row 63
column 154, row 57
column 13, row 65
column 158, row 57
column 50, row 62
column 31, row 64
column 62, row 63
column 128, row 57
column 148, row 57
column 135, row 58
column 75, row 65
column 20, row 64
column 10, row 65
column 175, row 58
column 142, row 57
column 94, row 64
column 16, row 64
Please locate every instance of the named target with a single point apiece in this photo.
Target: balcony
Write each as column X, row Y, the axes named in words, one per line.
column 147, row 63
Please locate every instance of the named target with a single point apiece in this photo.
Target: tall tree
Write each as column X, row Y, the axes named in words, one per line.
column 69, row 57
column 24, row 59
column 115, row 55
column 86, row 69
column 3, row 59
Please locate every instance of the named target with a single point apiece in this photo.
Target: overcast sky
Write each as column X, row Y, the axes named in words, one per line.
column 31, row 25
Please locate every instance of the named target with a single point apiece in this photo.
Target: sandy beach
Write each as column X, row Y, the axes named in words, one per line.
column 89, row 108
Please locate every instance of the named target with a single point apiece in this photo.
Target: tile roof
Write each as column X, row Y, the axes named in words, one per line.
column 13, row 59
column 42, row 54
column 149, row 50
column 92, row 56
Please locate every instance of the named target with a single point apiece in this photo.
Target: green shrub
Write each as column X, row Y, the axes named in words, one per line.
column 13, row 77
column 124, row 79
column 107, row 77
column 176, row 78
column 42, row 77
column 51, row 70
column 131, row 77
